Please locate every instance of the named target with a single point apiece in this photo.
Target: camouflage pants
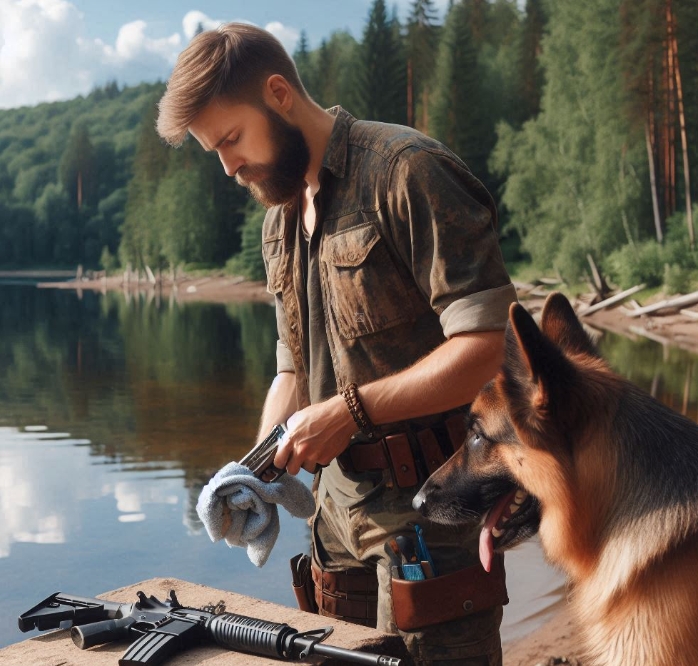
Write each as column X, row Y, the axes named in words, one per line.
column 344, row 538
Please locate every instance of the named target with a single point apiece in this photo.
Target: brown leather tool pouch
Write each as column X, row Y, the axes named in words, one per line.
column 303, row 586
column 350, row 595
column 453, row 596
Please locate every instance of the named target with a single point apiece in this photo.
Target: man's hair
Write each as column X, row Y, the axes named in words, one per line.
column 232, row 62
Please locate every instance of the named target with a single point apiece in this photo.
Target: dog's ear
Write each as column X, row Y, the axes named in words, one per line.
column 535, row 370
column 560, row 323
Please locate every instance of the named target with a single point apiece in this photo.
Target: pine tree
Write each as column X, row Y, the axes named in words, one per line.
column 335, row 64
column 304, row 64
column 421, row 47
column 652, row 71
column 77, row 167
column 381, row 82
column 140, row 241
column 457, row 113
column 185, row 215
column 531, row 48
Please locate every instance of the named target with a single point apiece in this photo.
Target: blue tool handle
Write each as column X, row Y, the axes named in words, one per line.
column 424, row 553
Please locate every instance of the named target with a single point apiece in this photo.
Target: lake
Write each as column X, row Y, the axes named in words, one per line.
column 115, row 411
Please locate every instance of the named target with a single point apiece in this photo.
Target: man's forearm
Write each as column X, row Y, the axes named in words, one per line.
column 279, row 404
column 448, row 377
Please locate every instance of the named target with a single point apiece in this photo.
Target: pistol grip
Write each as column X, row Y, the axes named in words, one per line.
column 96, row 633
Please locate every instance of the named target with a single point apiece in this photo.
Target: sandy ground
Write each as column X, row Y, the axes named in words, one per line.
column 212, row 289
column 555, row 641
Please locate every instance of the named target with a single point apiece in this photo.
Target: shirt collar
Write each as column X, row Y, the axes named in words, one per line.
column 335, row 159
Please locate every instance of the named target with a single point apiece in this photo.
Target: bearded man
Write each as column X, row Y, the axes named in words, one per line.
column 381, row 250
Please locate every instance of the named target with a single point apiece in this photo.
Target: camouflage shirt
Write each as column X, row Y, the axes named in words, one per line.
column 404, row 255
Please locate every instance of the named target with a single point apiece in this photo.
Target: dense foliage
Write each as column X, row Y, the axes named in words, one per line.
column 582, row 118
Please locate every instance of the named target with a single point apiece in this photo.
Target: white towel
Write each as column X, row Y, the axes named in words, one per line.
column 237, row 506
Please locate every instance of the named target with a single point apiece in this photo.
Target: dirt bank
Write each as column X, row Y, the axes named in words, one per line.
column 211, row 289
column 670, row 328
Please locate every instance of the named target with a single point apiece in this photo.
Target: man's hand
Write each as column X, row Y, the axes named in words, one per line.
column 316, row 435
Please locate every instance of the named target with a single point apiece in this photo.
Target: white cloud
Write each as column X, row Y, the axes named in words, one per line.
column 45, row 54
column 194, row 19
column 287, row 36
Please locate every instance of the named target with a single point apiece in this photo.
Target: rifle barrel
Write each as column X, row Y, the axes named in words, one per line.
column 353, row 656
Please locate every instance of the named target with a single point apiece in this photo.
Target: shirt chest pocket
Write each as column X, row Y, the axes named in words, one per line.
column 365, row 290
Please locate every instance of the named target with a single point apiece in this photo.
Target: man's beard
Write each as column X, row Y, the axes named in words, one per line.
column 282, row 180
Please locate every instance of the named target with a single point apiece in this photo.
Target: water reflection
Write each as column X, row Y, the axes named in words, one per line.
column 667, row 373
column 113, row 415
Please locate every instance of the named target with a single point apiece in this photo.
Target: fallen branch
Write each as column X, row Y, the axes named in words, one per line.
column 689, row 313
column 612, row 300
column 599, row 283
column 678, row 302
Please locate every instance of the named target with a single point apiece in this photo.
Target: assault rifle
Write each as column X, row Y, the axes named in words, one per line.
column 161, row 629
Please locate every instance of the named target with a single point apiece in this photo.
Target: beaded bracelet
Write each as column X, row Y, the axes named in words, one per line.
column 356, row 409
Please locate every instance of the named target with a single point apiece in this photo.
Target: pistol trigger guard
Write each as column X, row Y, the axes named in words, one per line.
column 316, row 636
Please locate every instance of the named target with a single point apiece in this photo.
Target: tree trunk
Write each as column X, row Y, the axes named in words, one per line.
column 653, row 184
column 410, row 94
column 682, row 123
column 671, row 114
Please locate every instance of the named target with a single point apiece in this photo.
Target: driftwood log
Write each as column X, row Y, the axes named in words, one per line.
column 611, row 301
column 668, row 304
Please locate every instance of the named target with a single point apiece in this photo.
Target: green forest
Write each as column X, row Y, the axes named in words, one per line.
column 580, row 117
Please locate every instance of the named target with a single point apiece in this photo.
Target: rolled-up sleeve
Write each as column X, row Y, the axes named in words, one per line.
column 483, row 311
column 444, row 227
column 284, row 358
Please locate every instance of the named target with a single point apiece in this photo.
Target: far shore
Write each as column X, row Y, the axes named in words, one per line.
column 670, row 328
column 207, row 288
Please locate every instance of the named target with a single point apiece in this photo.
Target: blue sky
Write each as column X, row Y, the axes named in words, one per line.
column 56, row 49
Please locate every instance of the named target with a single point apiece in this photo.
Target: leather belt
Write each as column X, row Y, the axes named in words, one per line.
column 394, row 452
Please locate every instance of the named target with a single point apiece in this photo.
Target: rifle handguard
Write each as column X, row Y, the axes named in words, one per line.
column 247, row 634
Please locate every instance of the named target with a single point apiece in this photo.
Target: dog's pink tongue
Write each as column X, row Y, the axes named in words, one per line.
column 486, row 548
column 486, row 539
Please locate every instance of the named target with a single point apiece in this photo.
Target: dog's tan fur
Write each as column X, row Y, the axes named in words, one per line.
column 616, row 477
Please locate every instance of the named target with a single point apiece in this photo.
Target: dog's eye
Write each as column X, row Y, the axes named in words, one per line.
column 476, row 439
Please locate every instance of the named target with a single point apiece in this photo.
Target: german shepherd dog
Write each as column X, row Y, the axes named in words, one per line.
column 558, row 443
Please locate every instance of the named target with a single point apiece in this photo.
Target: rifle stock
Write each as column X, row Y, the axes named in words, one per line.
column 60, row 608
